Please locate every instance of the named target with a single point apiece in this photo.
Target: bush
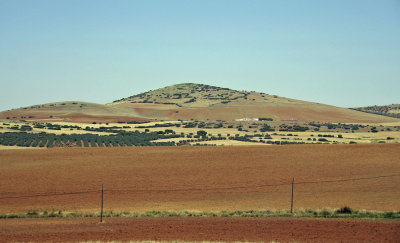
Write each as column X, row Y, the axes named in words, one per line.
column 344, row 210
column 267, row 128
column 202, row 133
column 32, row 213
column 265, row 119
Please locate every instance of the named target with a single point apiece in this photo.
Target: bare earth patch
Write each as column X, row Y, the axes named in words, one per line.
column 199, row 229
column 139, row 179
column 200, row 179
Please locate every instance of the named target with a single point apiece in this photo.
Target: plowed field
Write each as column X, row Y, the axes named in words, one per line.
column 198, row 229
column 200, row 178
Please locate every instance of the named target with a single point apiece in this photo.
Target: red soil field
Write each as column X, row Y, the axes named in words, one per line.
column 198, row 229
column 199, row 178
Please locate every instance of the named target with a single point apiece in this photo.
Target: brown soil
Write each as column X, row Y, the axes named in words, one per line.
column 80, row 112
column 188, row 178
column 199, row 229
column 73, row 118
column 304, row 113
column 280, row 108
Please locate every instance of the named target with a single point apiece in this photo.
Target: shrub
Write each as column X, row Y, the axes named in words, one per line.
column 325, row 213
column 32, row 213
column 202, row 133
column 344, row 210
column 265, row 119
column 266, row 128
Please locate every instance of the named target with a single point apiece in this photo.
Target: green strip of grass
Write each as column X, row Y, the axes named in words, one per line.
column 307, row 213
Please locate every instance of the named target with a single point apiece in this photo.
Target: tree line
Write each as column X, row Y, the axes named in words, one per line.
column 43, row 139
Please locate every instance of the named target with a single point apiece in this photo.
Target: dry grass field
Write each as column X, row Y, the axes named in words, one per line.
column 385, row 133
column 140, row 179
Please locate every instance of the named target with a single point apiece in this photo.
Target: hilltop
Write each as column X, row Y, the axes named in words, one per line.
column 204, row 102
column 191, row 101
column 193, row 95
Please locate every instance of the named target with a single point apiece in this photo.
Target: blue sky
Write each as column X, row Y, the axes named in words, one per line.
column 344, row 53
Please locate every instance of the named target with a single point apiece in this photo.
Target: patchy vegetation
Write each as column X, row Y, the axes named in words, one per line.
column 384, row 110
column 194, row 132
column 190, row 94
column 344, row 212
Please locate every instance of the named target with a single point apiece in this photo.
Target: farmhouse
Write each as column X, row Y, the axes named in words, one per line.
column 247, row 119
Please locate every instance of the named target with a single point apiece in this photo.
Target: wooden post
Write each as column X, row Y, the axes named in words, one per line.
column 101, row 213
column 291, row 204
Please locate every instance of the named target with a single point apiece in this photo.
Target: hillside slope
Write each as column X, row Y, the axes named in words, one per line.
column 392, row 110
column 202, row 102
column 193, row 101
column 72, row 111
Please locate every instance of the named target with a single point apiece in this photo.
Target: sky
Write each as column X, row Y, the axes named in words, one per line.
column 344, row 53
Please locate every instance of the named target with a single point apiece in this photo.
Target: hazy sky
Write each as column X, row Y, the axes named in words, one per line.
column 344, row 53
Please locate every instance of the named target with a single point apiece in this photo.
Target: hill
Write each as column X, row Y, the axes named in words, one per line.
column 193, row 101
column 72, row 111
column 392, row 110
column 191, row 95
column 202, row 102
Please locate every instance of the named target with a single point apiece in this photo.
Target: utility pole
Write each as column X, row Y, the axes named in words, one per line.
column 101, row 213
column 291, row 204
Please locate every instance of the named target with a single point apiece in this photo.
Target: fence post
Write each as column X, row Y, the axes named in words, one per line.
column 101, row 213
column 291, row 204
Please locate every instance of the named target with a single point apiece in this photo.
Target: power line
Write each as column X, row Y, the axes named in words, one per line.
column 199, row 189
column 247, row 187
column 350, row 179
column 50, row 195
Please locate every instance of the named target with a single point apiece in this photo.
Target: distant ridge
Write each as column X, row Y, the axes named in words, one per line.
column 392, row 110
